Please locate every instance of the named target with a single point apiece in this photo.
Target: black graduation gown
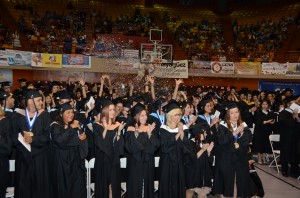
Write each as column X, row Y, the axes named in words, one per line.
column 140, row 164
column 234, row 163
column 198, row 171
column 69, row 173
column 171, row 164
column 32, row 168
column 261, row 143
column 288, row 140
column 107, row 163
column 245, row 114
column 5, row 150
column 153, row 118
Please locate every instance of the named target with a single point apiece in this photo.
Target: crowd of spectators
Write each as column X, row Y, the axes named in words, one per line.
column 135, row 25
column 9, row 37
column 260, row 40
column 201, row 40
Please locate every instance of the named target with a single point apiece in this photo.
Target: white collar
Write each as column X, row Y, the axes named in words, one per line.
column 172, row 130
column 9, row 110
column 265, row 112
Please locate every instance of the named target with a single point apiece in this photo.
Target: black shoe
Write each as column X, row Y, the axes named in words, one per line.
column 285, row 174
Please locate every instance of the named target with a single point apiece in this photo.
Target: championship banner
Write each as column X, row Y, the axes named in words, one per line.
column 20, row 58
column 247, row 68
column 3, row 58
column 273, row 68
column 293, row 69
column 199, row 67
column 279, row 86
column 177, row 69
column 52, row 60
column 76, row 61
column 37, row 59
column 222, row 67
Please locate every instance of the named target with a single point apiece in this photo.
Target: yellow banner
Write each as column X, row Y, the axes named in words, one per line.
column 52, row 60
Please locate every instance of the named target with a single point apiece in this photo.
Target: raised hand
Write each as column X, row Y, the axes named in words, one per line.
column 150, row 129
column 150, row 79
column 178, row 81
column 81, row 81
column 121, row 126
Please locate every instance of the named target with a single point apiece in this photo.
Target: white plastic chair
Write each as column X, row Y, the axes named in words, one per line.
column 276, row 153
column 10, row 190
column 123, row 164
column 91, row 186
column 156, row 162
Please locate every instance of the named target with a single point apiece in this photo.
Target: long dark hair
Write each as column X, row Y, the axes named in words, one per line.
column 198, row 140
column 60, row 119
column 137, row 120
column 227, row 119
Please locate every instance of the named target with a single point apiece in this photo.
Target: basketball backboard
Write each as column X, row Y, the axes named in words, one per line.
column 156, row 53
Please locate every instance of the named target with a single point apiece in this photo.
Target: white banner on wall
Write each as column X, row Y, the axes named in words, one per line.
column 178, row 69
column 222, row 67
column 3, row 58
column 273, row 68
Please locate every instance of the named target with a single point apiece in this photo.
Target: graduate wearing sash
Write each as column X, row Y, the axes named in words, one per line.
column 31, row 137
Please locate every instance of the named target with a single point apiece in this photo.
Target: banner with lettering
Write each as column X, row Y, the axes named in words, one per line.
column 177, row 69
column 293, row 69
column 76, row 61
column 19, row 58
column 52, row 60
column 273, row 68
column 3, row 58
column 37, row 60
column 247, row 68
column 222, row 67
column 279, row 86
column 199, row 67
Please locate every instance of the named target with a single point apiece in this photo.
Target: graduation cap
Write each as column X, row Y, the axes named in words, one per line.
column 5, row 84
column 182, row 88
column 104, row 103
column 243, row 91
column 203, row 103
column 288, row 89
column 31, row 94
column 78, row 90
column 4, row 95
column 53, row 84
column 255, row 93
column 157, row 104
column 64, row 95
column 230, row 105
column 173, row 104
column 290, row 99
column 65, row 107
column 183, row 104
column 136, row 109
column 139, row 99
column 20, row 80
column 117, row 100
column 126, row 104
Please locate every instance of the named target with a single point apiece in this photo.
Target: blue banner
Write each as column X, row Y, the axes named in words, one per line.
column 76, row 61
column 279, row 86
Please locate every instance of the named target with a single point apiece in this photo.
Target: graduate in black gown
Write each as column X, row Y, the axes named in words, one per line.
column 109, row 145
column 140, row 144
column 174, row 146
column 198, row 167
column 32, row 127
column 289, row 122
column 69, row 151
column 233, row 140
column 263, row 119
column 5, row 150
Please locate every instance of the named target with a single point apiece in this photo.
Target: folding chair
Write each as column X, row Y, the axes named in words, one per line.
column 10, row 190
column 91, row 186
column 123, row 164
column 156, row 162
column 276, row 153
column 87, row 178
